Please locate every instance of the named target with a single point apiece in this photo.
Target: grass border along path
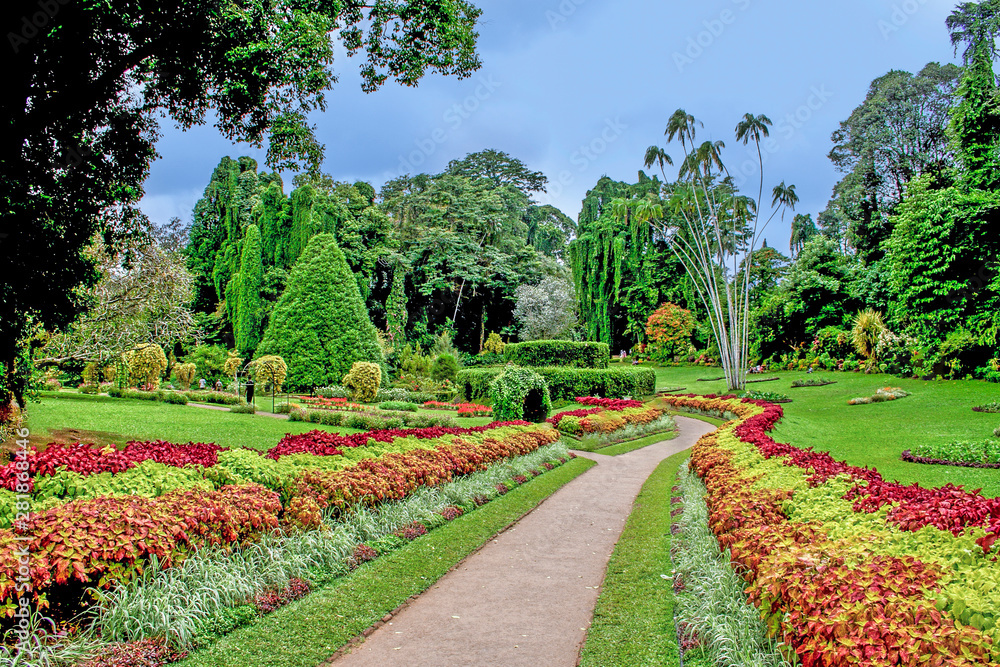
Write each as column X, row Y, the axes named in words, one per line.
column 634, row 618
column 309, row 631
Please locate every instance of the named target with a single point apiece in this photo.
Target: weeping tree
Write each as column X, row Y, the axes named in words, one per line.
column 712, row 229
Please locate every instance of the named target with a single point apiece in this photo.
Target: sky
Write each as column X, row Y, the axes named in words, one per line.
column 578, row 89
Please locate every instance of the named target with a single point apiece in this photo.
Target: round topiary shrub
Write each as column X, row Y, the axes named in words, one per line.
column 520, row 393
column 364, row 381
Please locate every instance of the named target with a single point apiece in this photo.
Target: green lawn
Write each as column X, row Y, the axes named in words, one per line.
column 115, row 420
column 875, row 435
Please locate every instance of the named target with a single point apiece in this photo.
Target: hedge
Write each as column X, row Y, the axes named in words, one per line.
column 565, row 384
column 558, row 353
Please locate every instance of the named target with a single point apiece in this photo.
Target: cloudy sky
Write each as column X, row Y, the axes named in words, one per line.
column 578, row 89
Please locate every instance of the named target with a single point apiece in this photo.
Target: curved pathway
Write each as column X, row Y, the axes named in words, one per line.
column 527, row 597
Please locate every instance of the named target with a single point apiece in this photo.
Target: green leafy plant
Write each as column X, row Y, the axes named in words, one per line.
column 558, row 353
column 445, row 367
column 363, row 381
column 520, row 393
column 565, row 384
column 398, row 405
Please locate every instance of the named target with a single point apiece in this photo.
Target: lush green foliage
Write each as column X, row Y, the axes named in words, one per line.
column 247, row 308
column 558, row 353
column 565, row 384
column 520, row 393
column 979, row 451
column 320, row 325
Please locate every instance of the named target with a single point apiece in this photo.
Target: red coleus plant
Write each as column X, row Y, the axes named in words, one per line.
column 616, row 404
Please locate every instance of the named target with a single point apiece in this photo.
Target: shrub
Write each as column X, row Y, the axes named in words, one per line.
column 244, row 408
column 146, row 364
column 320, row 324
column 363, row 381
column 209, row 361
column 565, row 384
column 269, row 369
column 52, row 384
column 484, row 359
column 283, row 408
column 335, row 391
column 445, row 368
column 996, row 431
column 185, row 374
column 494, row 344
column 989, row 407
column 558, row 353
column 116, row 392
column 520, row 393
column 91, row 374
column 669, row 331
column 89, row 389
column 175, row 398
column 398, row 405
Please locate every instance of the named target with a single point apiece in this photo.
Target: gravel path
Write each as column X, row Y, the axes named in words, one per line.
column 528, row 596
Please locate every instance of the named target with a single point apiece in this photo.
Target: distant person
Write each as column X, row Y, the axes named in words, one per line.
column 218, row 385
column 201, row 384
column 250, row 390
column 621, row 357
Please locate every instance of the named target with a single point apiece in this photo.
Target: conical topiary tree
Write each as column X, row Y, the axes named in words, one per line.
column 320, row 325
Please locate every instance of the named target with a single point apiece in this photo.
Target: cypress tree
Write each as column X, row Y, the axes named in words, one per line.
column 320, row 325
column 249, row 306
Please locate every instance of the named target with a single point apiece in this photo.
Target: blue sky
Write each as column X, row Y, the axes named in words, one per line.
column 578, row 89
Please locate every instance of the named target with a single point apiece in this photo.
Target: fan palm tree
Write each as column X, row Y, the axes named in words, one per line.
column 656, row 155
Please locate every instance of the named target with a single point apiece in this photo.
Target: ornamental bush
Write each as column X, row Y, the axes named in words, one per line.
column 565, row 384
column 269, row 369
column 669, row 331
column 558, row 353
column 146, row 364
column 494, row 344
column 445, row 368
column 364, row 381
column 520, row 393
column 320, row 325
column 185, row 374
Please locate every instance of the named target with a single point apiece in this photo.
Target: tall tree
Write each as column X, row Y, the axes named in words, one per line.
column 249, row 306
column 803, row 229
column 320, row 325
column 897, row 134
column 82, row 104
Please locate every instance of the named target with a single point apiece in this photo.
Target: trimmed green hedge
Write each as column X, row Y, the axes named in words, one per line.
column 558, row 353
column 565, row 384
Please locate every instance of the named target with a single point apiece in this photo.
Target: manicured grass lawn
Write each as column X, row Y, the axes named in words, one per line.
column 875, row 435
column 634, row 618
column 114, row 420
column 307, row 632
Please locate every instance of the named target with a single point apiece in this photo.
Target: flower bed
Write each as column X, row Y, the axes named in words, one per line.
column 605, row 415
column 320, row 403
column 881, row 396
column 243, row 495
column 989, row 407
column 463, row 409
column 846, row 568
column 980, row 454
column 812, row 382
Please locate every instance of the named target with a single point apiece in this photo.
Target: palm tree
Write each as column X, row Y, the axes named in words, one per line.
column 656, row 155
column 708, row 227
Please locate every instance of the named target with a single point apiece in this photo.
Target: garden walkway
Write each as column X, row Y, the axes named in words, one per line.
column 527, row 597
